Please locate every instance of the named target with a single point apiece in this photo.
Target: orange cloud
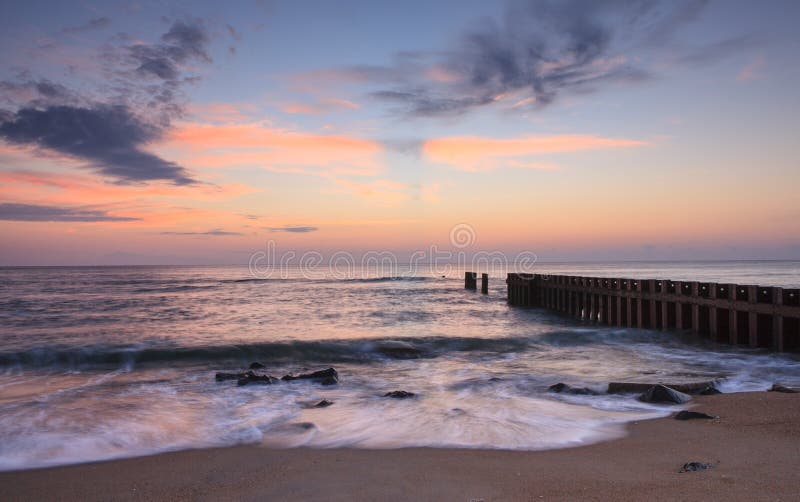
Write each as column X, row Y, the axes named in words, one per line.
column 323, row 106
column 472, row 153
column 36, row 187
column 207, row 145
column 386, row 192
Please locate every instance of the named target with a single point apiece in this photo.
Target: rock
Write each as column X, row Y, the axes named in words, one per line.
column 323, row 404
column 695, row 466
column 562, row 388
column 257, row 366
column 689, row 415
column 709, row 391
column 251, row 377
column 636, row 387
column 231, row 376
column 662, row 394
column 246, row 378
column 325, row 377
column 781, row 388
column 399, row 394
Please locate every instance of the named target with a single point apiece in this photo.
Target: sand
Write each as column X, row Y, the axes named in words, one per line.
column 755, row 445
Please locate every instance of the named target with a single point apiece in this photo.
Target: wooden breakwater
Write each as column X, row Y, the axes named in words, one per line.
column 757, row 316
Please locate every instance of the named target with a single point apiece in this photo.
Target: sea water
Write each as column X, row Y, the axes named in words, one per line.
column 108, row 362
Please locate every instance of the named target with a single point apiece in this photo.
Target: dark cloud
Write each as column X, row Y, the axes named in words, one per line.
column 217, row 232
column 102, row 129
column 183, row 42
column 109, row 138
column 541, row 50
column 92, row 24
column 31, row 212
column 37, row 92
column 294, row 230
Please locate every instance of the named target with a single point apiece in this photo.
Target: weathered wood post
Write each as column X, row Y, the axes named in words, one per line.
column 713, row 317
column 651, row 308
column 733, row 325
column 470, row 280
column 777, row 319
column 752, row 295
column 485, row 284
column 695, row 307
column 678, row 306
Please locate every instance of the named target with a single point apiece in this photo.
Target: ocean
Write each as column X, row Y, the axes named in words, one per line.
column 107, row 362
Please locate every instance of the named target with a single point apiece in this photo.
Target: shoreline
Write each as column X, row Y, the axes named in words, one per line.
column 754, row 446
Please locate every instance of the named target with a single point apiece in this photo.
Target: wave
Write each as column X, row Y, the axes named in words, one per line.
column 362, row 350
column 331, row 351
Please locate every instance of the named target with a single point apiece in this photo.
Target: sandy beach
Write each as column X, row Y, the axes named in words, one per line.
column 754, row 446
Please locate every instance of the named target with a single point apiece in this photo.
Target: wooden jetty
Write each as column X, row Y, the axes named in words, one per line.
column 756, row 316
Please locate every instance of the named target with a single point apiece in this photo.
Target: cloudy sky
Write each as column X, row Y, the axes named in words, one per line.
column 195, row 132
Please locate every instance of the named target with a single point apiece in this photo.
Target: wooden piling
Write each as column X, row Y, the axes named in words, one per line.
column 485, row 284
column 470, row 280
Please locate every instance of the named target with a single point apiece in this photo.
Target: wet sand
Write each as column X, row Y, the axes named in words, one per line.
column 755, row 446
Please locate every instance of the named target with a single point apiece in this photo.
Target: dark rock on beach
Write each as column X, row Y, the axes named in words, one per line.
column 257, row 366
column 231, row 376
column 325, row 377
column 663, row 394
column 399, row 394
column 245, row 378
column 562, row 388
column 323, row 404
column 689, row 415
column 782, row 388
column 695, row 466
column 709, row 391
column 686, row 388
column 251, row 377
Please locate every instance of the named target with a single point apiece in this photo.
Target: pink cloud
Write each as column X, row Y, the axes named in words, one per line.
column 257, row 144
column 472, row 153
column 754, row 70
column 438, row 73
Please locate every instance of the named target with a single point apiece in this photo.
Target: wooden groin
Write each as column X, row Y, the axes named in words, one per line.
column 756, row 316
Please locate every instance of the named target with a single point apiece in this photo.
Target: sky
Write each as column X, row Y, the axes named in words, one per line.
column 199, row 132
